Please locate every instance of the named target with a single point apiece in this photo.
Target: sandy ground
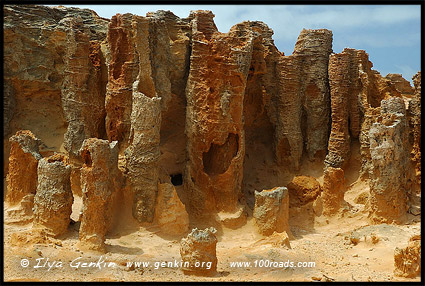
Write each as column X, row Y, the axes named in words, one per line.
column 327, row 244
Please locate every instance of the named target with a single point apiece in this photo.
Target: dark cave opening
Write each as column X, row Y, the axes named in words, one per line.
column 177, row 179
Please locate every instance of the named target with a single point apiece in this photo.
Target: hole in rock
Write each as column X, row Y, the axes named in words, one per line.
column 176, row 179
column 87, row 158
column 218, row 158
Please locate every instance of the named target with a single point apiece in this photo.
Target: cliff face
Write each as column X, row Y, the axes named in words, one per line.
column 209, row 112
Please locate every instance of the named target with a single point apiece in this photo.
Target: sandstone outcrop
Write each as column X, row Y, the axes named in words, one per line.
column 333, row 190
column 407, row 261
column 401, row 84
column 198, row 252
column 83, row 94
column 214, row 115
column 414, row 117
column 302, row 190
column 390, row 162
column 23, row 162
column 53, row 199
column 271, row 211
column 100, row 181
column 170, row 213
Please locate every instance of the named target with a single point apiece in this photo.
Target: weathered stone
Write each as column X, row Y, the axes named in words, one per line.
column 302, row 190
column 390, row 173
column 100, row 181
column 53, row 199
column 401, row 84
column 233, row 220
column 198, row 252
column 414, row 117
column 143, row 153
column 407, row 261
column 170, row 213
column 83, row 94
column 23, row 161
column 35, row 42
column 333, row 190
column 214, row 115
column 271, row 211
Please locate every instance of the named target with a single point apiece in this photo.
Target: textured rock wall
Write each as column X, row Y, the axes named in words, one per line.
column 53, row 199
column 333, row 190
column 414, row 117
column 390, row 172
column 214, row 115
column 23, row 162
column 100, row 181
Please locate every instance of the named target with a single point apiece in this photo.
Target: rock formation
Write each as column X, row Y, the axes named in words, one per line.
column 271, row 211
column 302, row 190
column 23, row 162
column 198, row 252
column 390, row 174
column 414, row 116
column 401, row 84
column 407, row 261
column 100, row 182
column 333, row 190
column 53, row 199
column 83, row 94
column 214, row 115
column 170, row 213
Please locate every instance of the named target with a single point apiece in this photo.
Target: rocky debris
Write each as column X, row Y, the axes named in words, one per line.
column 100, row 182
column 83, row 94
column 271, row 211
column 53, row 199
column 198, row 252
column 143, row 154
column 170, row 213
column 414, row 117
column 23, row 161
column 407, row 261
column 302, row 190
column 214, row 115
column 390, row 175
column 333, row 190
column 401, row 84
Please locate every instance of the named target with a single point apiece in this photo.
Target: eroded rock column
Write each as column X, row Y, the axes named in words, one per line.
column 198, row 252
column 333, row 190
column 214, row 124
column 100, row 183
column 271, row 211
column 22, row 176
column 53, row 200
column 389, row 150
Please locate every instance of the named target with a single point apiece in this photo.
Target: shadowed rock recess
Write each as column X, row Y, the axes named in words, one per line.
column 164, row 124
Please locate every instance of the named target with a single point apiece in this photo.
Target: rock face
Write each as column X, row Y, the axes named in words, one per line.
column 83, row 93
column 271, row 211
column 100, row 181
column 23, row 162
column 401, row 84
column 198, row 252
column 407, row 261
column 170, row 213
column 414, row 116
column 34, row 84
column 214, row 115
column 53, row 200
column 302, row 190
column 333, row 190
column 390, row 174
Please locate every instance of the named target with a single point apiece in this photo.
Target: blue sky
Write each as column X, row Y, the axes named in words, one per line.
column 390, row 34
